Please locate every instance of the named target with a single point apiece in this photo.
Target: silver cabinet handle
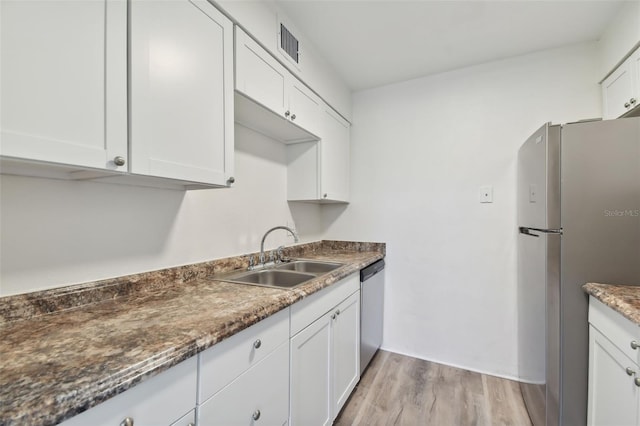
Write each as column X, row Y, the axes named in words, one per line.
column 324, row 195
column 637, row 381
column 333, row 316
column 635, row 345
column 256, row 415
column 119, row 161
column 231, row 180
column 630, row 372
column 293, row 116
column 257, row 344
column 128, row 421
column 287, row 113
column 633, row 101
column 627, row 104
column 338, row 312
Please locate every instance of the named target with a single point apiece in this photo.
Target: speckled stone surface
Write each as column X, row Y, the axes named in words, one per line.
column 66, row 350
column 624, row 299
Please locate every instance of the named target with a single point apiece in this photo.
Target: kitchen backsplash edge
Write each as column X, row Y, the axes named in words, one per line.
column 29, row 305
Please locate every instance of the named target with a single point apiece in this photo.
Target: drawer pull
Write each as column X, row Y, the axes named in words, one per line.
column 629, row 371
column 128, row 421
column 635, row 345
column 256, row 414
column 636, row 381
column 257, row 344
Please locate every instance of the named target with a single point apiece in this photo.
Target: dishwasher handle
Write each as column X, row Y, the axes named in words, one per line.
column 371, row 270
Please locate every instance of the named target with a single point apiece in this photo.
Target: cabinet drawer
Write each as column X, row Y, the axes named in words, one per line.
column 619, row 330
column 313, row 307
column 228, row 359
column 161, row 400
column 259, row 396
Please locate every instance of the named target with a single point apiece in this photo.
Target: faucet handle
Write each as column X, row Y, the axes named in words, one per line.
column 251, row 262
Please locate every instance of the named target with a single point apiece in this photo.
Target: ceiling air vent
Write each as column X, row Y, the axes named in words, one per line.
column 288, row 43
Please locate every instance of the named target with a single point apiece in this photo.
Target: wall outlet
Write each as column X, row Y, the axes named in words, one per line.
column 486, row 194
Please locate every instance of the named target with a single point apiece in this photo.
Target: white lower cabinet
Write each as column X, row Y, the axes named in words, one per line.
column 166, row 399
column 245, row 379
column 188, row 419
column 614, row 371
column 325, row 354
column 259, row 396
column 298, row 366
column 310, row 374
column 345, row 351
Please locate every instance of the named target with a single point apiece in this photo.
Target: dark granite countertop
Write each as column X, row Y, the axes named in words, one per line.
column 624, row 299
column 65, row 350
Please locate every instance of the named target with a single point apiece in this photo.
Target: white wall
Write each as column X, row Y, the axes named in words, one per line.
column 57, row 233
column 621, row 35
column 420, row 151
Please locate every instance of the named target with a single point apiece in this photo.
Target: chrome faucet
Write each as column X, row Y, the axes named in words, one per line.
column 286, row 228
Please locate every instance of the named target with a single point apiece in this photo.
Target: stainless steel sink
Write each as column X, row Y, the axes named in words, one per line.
column 284, row 275
column 309, row 266
column 271, row 278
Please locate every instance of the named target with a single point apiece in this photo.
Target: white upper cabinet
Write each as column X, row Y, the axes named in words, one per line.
column 263, row 21
column 305, row 106
column 334, row 167
column 259, row 76
column 181, row 91
column 319, row 171
column 621, row 90
column 64, row 82
column 269, row 85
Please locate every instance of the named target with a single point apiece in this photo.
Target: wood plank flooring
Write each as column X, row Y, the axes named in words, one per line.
column 400, row 390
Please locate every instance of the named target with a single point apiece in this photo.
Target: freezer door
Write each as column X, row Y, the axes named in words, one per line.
column 539, row 179
column 601, row 236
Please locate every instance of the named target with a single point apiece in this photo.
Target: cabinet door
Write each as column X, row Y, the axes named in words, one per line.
column 305, row 107
column 346, row 350
column 613, row 395
column 64, row 81
column 181, row 91
column 616, row 91
column 188, row 419
column 310, row 374
column 334, row 164
column 260, row 396
column 634, row 64
column 161, row 400
column 259, row 76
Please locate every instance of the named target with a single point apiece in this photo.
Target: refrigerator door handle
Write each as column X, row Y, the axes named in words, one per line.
column 527, row 231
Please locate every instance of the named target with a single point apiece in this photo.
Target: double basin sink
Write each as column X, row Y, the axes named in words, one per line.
column 284, row 275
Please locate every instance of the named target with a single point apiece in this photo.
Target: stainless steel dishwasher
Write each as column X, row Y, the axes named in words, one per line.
column 371, row 311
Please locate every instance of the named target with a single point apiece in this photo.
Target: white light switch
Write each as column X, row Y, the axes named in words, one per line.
column 486, row 194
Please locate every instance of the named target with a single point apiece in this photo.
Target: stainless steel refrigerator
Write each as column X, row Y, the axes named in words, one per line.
column 579, row 222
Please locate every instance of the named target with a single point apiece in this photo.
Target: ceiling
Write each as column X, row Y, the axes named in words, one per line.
column 372, row 43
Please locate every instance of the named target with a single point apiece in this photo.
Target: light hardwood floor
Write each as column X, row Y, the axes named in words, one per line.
column 400, row 390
